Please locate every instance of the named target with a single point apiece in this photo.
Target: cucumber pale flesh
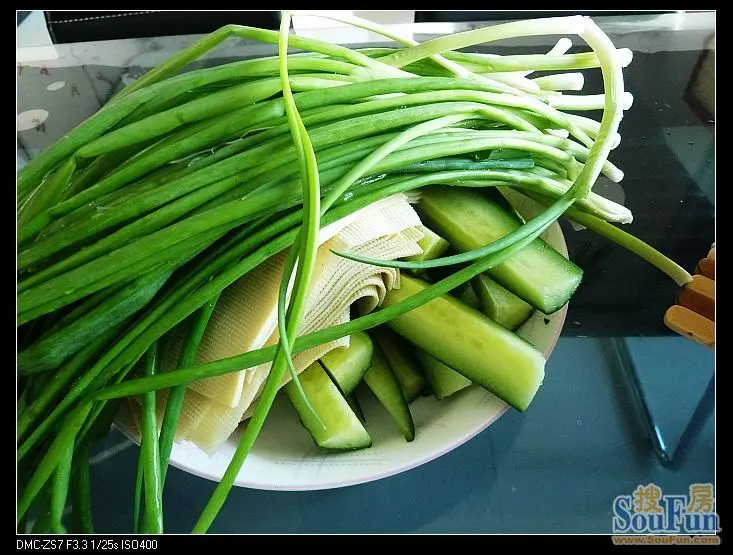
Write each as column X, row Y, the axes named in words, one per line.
column 432, row 245
column 399, row 355
column 467, row 295
column 442, row 378
column 346, row 365
column 471, row 343
column 341, row 428
column 500, row 304
column 538, row 274
column 380, row 379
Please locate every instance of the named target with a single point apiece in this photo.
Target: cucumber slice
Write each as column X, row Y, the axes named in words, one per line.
column 355, row 406
column 442, row 378
column 500, row 304
column 346, row 365
column 468, row 296
column 537, row 274
column 342, row 429
column 399, row 355
column 471, row 343
column 380, row 379
column 432, row 245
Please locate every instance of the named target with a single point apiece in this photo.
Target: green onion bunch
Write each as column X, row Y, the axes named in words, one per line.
column 136, row 220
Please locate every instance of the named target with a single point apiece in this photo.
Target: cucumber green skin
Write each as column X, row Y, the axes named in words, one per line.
column 500, row 304
column 442, row 378
column 380, row 379
column 399, row 356
column 471, row 343
column 469, row 220
column 52, row 350
column 342, row 429
column 346, row 365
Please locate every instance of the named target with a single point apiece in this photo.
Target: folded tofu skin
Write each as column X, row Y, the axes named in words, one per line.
column 245, row 317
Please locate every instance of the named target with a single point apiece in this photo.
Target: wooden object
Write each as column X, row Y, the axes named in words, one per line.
column 694, row 314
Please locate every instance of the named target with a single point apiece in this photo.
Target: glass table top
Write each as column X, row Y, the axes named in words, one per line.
column 625, row 400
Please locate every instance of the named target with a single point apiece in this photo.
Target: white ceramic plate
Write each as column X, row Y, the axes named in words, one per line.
column 284, row 456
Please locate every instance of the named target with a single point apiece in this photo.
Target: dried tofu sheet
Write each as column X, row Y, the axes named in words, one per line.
column 245, row 317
